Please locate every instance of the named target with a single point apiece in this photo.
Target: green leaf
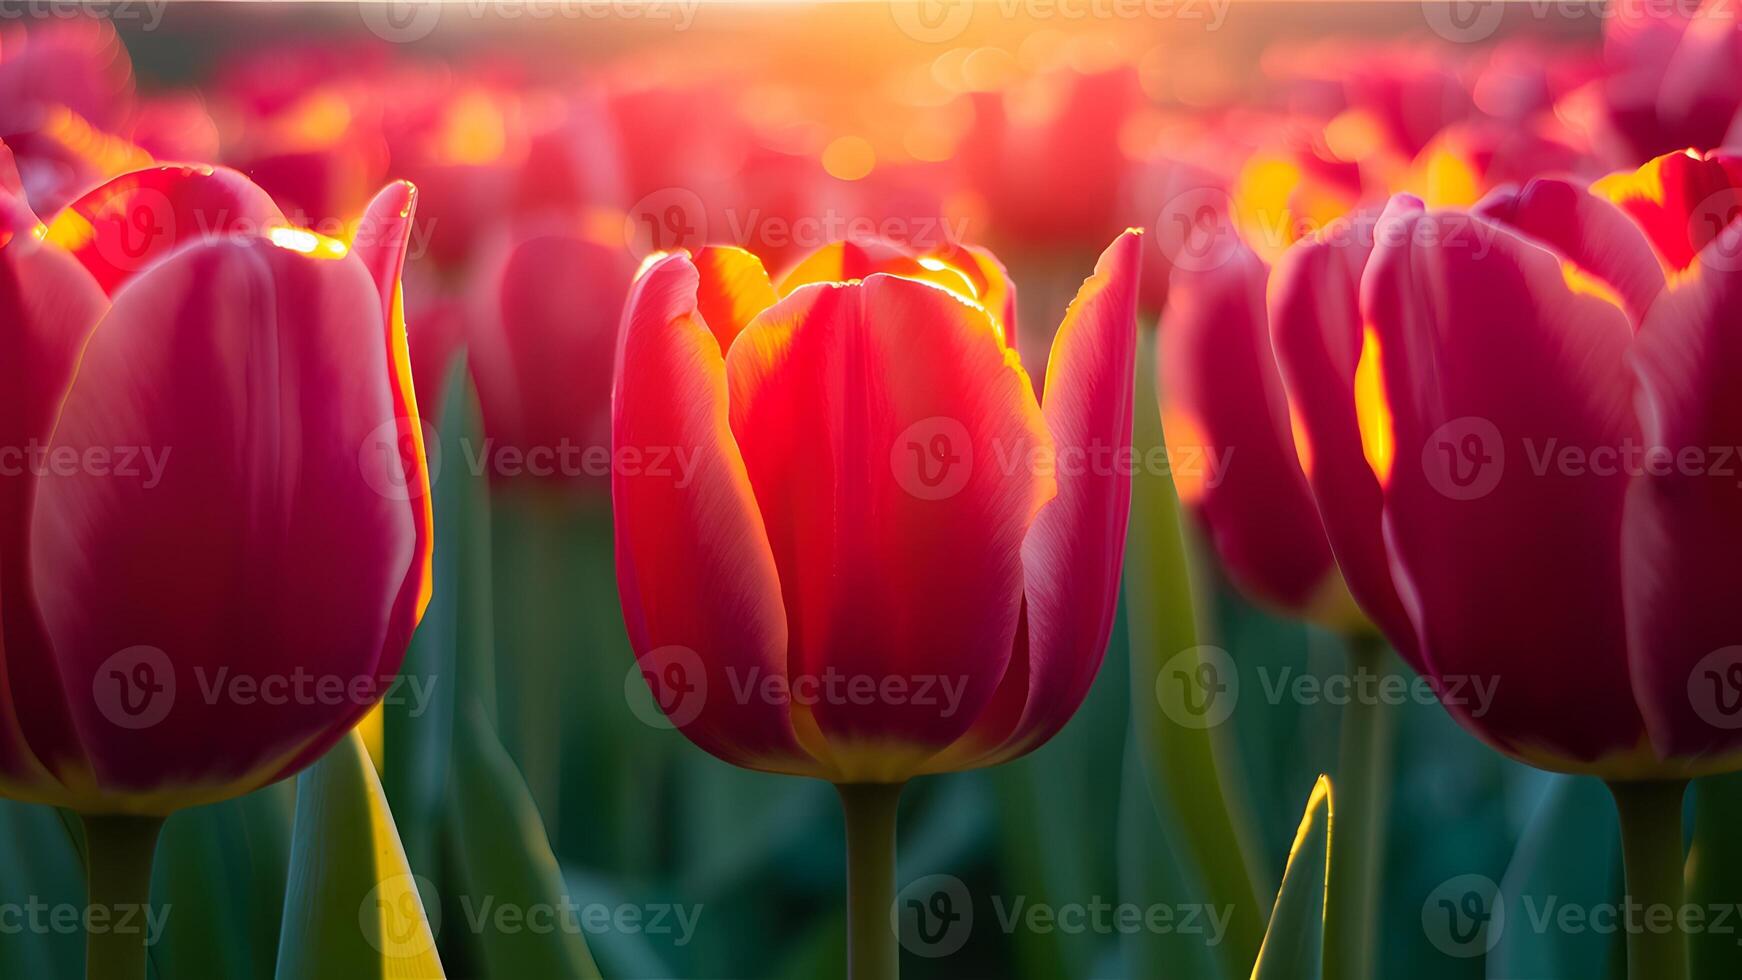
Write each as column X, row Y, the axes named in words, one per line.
column 1294, row 944
column 418, row 720
column 1714, row 874
column 627, row 952
column 1152, row 873
column 1060, row 822
column 352, row 908
column 1568, row 857
column 1181, row 756
column 221, row 868
column 510, row 874
column 39, row 860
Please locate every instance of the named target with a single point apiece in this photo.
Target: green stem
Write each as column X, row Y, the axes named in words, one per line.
column 1651, row 846
column 872, row 951
column 1361, row 795
column 118, row 852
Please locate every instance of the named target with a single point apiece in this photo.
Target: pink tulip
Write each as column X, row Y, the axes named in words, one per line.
column 1516, row 422
column 871, row 502
column 214, row 475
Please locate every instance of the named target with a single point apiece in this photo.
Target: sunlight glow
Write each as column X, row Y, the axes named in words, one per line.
column 307, row 242
column 1372, row 411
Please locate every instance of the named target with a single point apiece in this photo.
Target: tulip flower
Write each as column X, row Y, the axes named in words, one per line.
column 66, row 93
column 1669, row 77
column 1239, row 471
column 1047, row 157
column 888, row 558
column 541, row 357
column 213, row 476
column 1243, row 470
column 1516, row 433
column 72, row 66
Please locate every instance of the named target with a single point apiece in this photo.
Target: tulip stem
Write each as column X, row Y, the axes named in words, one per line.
column 1651, row 848
column 1361, row 795
column 872, row 952
column 118, row 852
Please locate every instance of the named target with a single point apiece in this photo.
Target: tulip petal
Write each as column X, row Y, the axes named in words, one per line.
column 1328, row 367
column 10, row 184
column 120, row 228
column 48, row 305
column 1680, row 200
column 698, row 582
column 225, row 418
column 1607, row 251
column 1506, row 554
column 845, row 261
column 993, row 287
column 734, row 288
column 1684, row 518
column 1222, row 400
column 541, row 355
column 1075, row 550
column 380, row 244
column 891, row 439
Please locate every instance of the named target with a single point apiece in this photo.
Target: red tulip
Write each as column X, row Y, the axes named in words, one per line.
column 1235, row 457
column 1518, row 432
column 541, row 329
column 214, row 487
column 868, row 570
column 1048, row 160
column 1670, row 77
column 78, row 65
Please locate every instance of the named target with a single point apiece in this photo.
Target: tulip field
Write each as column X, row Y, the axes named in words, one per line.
column 772, row 490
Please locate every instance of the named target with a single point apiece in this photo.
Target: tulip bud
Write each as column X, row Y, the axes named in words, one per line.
column 217, row 544
column 889, row 558
column 1540, row 504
